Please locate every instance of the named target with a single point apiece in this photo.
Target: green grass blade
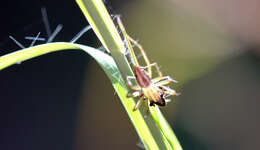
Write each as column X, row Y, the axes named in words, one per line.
column 108, row 65
column 28, row 53
column 165, row 128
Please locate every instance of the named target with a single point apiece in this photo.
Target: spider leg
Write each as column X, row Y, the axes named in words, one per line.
column 147, row 108
column 169, row 91
column 134, row 94
column 139, row 103
column 131, row 85
column 167, row 100
column 131, row 40
column 163, row 80
column 127, row 42
column 139, row 46
column 160, row 75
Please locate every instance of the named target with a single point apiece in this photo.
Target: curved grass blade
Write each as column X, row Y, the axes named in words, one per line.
column 108, row 65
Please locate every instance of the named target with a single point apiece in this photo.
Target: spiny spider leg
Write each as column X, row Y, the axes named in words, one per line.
column 157, row 68
column 147, row 61
column 137, row 93
column 147, row 108
column 134, row 94
column 139, row 103
column 163, row 80
column 138, row 46
column 169, row 91
column 131, row 40
column 131, row 85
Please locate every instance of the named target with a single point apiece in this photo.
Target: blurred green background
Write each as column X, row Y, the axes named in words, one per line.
column 210, row 47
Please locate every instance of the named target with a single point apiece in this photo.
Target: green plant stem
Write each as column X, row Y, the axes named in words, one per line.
column 165, row 128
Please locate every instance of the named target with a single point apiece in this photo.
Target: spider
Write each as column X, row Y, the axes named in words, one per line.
column 156, row 89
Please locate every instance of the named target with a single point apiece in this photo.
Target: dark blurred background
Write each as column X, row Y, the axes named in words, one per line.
column 63, row 100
